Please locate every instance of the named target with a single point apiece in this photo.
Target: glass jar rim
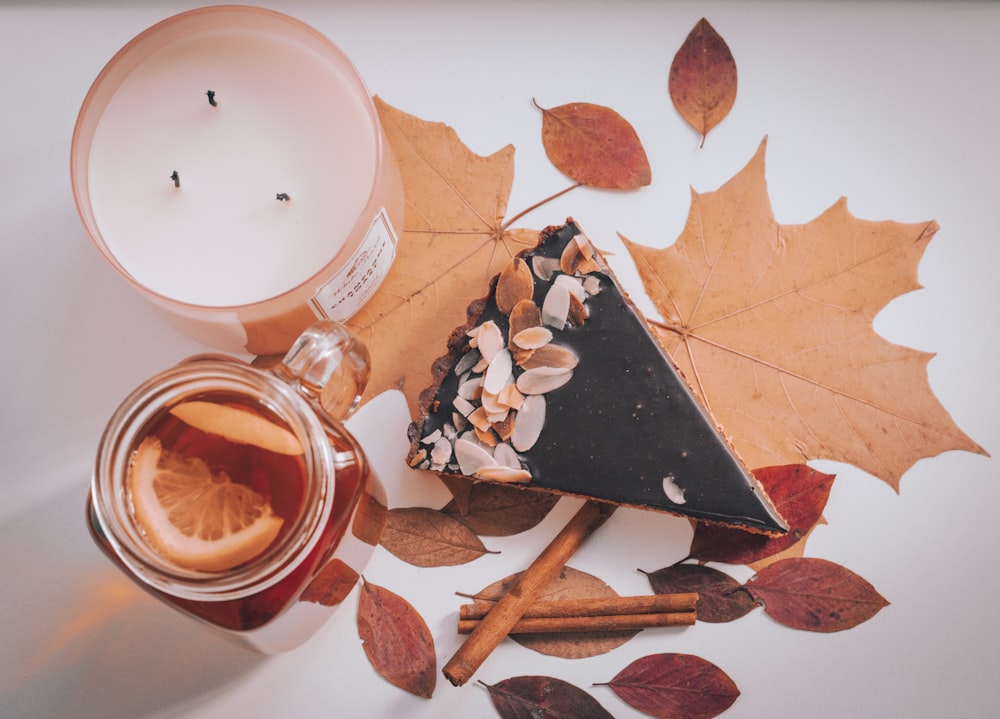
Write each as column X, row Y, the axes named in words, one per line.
column 130, row 422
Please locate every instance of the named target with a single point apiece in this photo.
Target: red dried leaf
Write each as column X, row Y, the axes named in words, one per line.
column 396, row 640
column 675, row 686
column 798, row 492
column 703, row 79
column 595, row 146
column 815, row 594
column 720, row 597
column 496, row 510
column 538, row 697
column 427, row 537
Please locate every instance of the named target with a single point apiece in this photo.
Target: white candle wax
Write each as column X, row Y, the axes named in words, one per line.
column 287, row 121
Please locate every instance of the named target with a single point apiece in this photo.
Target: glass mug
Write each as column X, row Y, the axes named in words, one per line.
column 235, row 495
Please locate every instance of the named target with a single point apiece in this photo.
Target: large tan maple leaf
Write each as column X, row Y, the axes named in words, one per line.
column 451, row 243
column 772, row 325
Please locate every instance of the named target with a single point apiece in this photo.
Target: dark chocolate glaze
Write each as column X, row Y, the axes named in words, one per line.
column 624, row 421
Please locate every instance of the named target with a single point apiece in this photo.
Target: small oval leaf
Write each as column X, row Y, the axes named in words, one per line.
column 427, row 537
column 595, row 146
column 396, row 640
column 720, row 597
column 815, row 595
column 702, row 81
column 798, row 492
column 495, row 510
column 675, row 686
column 538, row 697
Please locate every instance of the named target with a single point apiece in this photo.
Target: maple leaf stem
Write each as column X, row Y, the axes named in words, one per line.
column 534, row 207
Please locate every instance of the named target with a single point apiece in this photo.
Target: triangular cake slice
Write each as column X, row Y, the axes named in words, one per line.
column 556, row 383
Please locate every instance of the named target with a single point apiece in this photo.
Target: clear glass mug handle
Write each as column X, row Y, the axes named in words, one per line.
column 329, row 366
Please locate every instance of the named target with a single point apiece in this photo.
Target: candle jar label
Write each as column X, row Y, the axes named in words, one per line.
column 348, row 290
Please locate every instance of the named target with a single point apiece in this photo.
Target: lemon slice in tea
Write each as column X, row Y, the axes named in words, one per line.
column 237, row 425
column 196, row 518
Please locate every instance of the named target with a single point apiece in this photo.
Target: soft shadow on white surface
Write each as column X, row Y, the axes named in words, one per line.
column 86, row 640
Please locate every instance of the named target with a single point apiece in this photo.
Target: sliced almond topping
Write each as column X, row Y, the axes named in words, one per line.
column 492, row 403
column 511, row 396
column 489, row 340
column 592, row 284
column 570, row 258
column 505, row 427
column 544, row 267
column 530, row 420
column 524, row 315
column 485, row 436
column 555, row 307
column 674, row 492
column 533, row 338
column 471, row 456
column 551, row 355
column 521, row 356
column 431, row 438
column 464, row 406
column 498, row 372
column 417, row 459
column 574, row 285
column 543, row 379
column 504, row 474
column 577, row 314
column 479, row 419
column 440, row 453
column 467, row 362
column 588, row 266
column 505, row 456
column 583, row 243
column 514, row 284
column 471, row 389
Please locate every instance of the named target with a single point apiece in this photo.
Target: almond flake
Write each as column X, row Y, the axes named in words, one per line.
column 574, row 285
column 491, row 402
column 551, row 355
column 490, row 340
column 504, row 427
column 505, row 456
column 471, row 389
column 583, row 243
column 467, row 362
column 440, row 453
column 514, row 284
column 529, row 422
column 570, row 258
column 544, row 267
column 577, row 314
column 543, row 379
column 533, row 338
column 504, row 474
column 510, row 396
column 498, row 372
column 471, row 456
column 555, row 308
column 592, row 284
column 524, row 315
column 485, row 436
column 432, row 437
column 464, row 406
column 479, row 419
column 419, row 457
column 674, row 492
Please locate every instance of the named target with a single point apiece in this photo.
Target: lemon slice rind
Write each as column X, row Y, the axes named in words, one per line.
column 191, row 552
column 237, row 425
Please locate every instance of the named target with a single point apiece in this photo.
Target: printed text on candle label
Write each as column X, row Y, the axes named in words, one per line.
column 344, row 293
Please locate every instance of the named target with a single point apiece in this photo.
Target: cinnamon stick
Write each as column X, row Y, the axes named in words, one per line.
column 595, row 606
column 510, row 608
column 595, row 623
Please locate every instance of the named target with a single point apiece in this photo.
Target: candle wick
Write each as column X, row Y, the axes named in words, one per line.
column 282, row 196
column 176, row 178
column 211, row 98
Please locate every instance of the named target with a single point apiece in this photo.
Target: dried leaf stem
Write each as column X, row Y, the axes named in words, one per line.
column 535, row 206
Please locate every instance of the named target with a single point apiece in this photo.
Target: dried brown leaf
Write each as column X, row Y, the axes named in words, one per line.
column 720, row 597
column 569, row 584
column 495, row 510
column 396, row 640
column 772, row 325
column 449, row 247
column 702, row 80
column 675, row 686
column 426, row 537
column 538, row 697
column 815, row 594
column 594, row 146
column 798, row 492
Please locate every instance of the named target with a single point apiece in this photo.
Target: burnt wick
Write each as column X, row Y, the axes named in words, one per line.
column 211, row 98
column 282, row 196
column 176, row 178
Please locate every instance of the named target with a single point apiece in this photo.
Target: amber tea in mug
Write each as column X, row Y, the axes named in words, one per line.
column 236, row 495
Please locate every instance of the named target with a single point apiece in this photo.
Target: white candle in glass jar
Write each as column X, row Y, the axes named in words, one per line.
column 280, row 185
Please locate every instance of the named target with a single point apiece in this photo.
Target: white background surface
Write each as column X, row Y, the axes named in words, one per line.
column 893, row 105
